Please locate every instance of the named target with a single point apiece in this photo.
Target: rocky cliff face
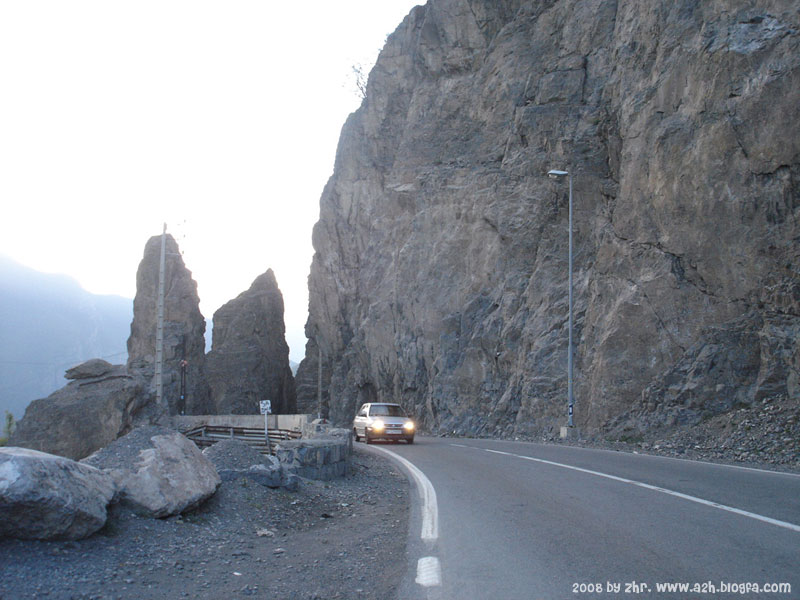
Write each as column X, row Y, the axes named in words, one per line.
column 184, row 329
column 249, row 358
column 313, row 395
column 440, row 273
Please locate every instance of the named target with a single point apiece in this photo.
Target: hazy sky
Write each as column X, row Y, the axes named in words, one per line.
column 220, row 118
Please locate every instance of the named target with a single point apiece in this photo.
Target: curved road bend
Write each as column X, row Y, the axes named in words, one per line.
column 529, row 521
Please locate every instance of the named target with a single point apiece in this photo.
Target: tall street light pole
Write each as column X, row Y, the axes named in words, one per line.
column 556, row 174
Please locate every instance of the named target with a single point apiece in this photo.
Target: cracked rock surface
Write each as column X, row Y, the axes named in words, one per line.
column 440, row 273
column 249, row 358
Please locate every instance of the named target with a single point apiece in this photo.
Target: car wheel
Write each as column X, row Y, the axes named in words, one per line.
column 410, row 441
column 355, row 434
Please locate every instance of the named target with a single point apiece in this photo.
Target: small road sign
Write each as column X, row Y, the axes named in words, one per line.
column 266, row 408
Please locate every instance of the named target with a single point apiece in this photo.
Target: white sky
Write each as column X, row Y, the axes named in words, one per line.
column 220, row 118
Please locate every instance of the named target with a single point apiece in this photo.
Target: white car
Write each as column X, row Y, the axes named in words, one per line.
column 383, row 421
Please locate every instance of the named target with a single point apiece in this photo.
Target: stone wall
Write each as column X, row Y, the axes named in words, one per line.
column 325, row 457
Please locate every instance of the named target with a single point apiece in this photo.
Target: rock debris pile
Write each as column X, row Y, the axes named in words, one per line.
column 234, row 459
column 765, row 434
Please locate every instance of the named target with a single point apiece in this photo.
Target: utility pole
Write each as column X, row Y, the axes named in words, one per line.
column 184, row 365
column 160, row 320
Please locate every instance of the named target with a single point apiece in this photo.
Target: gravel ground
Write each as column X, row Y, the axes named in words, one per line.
column 337, row 539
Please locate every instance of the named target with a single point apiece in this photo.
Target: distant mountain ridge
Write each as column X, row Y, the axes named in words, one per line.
column 49, row 323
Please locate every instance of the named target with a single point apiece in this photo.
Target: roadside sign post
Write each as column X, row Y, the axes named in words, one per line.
column 266, row 408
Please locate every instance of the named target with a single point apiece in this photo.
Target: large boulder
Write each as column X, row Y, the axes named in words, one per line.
column 94, row 367
column 158, row 471
column 86, row 415
column 44, row 497
column 249, row 358
column 184, row 330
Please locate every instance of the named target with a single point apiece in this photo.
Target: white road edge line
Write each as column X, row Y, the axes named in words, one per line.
column 429, row 572
column 430, row 508
column 724, row 465
column 738, row 511
column 660, row 457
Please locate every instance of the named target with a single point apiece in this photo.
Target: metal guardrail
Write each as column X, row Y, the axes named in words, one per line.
column 208, row 435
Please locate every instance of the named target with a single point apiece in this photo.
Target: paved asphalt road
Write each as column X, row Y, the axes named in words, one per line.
column 574, row 523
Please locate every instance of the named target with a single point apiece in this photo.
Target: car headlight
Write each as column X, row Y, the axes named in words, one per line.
column 377, row 425
column 408, row 426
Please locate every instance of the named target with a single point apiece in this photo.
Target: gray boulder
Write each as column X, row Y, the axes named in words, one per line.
column 86, row 414
column 94, row 367
column 158, row 471
column 45, row 497
column 273, row 475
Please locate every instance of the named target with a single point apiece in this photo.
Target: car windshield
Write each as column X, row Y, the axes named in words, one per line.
column 386, row 410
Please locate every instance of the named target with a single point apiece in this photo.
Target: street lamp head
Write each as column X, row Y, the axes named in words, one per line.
column 556, row 174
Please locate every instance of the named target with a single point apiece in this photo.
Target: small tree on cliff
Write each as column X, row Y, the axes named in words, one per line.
column 359, row 80
column 9, row 429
